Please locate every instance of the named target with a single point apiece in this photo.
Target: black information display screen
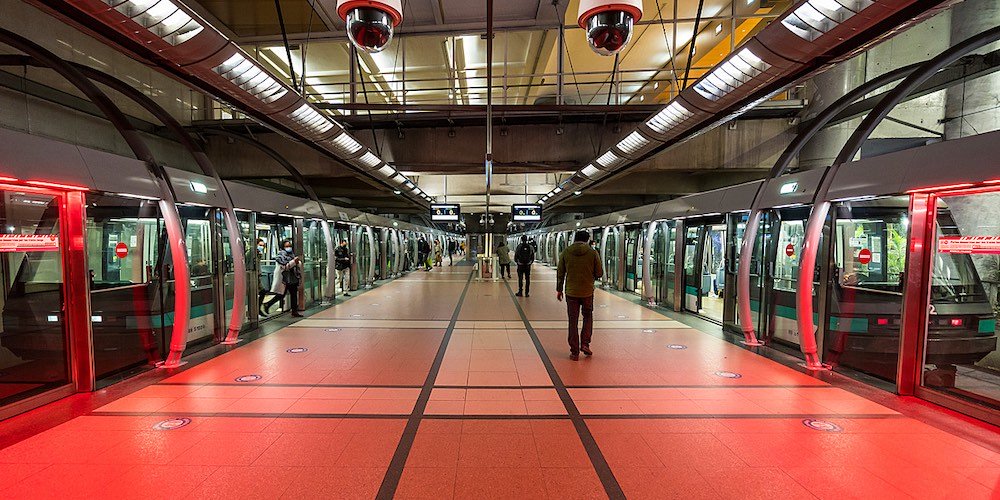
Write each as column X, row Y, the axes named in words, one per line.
column 445, row 213
column 526, row 213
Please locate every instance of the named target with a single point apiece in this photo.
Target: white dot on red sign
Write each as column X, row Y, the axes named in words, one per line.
column 790, row 250
column 121, row 250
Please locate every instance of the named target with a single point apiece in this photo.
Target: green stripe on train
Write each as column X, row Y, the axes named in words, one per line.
column 987, row 325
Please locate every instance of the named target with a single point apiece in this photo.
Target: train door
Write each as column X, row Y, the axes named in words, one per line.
column 704, row 268
column 200, row 236
column 225, row 268
column 664, row 250
column 270, row 230
column 612, row 257
column 633, row 258
column 314, row 261
column 762, row 266
column 736, row 225
column 788, row 230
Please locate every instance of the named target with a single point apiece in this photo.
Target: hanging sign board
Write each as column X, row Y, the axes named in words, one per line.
column 445, row 213
column 526, row 213
column 989, row 245
column 29, row 242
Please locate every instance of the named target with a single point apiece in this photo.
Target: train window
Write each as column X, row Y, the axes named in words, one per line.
column 961, row 355
column 786, row 266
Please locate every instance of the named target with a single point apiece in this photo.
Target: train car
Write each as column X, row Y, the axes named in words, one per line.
column 96, row 221
column 861, row 279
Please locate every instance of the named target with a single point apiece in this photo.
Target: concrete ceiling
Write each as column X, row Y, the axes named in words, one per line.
column 419, row 101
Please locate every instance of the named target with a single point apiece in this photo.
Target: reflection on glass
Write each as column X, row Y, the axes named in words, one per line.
column 961, row 354
column 866, row 294
column 124, row 251
column 33, row 355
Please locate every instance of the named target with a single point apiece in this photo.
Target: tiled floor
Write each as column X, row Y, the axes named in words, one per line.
column 433, row 386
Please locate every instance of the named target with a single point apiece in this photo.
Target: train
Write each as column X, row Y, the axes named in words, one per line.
column 683, row 255
column 88, row 242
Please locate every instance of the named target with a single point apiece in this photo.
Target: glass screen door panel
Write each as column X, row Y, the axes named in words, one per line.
column 34, row 356
column 960, row 353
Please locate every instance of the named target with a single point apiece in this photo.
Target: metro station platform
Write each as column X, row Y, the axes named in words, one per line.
column 437, row 386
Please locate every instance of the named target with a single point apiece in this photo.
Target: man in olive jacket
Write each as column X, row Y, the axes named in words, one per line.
column 579, row 267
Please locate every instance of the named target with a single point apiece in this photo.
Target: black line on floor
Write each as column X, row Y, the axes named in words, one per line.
column 174, row 414
column 245, row 384
column 749, row 416
column 601, row 467
column 395, row 471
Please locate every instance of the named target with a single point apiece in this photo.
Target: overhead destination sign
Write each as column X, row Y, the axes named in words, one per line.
column 969, row 244
column 526, row 213
column 29, row 242
column 445, row 213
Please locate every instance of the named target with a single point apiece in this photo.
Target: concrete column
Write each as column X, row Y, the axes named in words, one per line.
column 825, row 89
column 970, row 108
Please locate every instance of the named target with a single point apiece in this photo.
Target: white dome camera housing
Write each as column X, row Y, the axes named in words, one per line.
column 370, row 22
column 609, row 23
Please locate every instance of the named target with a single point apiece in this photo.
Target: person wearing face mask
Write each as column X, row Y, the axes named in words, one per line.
column 289, row 268
column 342, row 256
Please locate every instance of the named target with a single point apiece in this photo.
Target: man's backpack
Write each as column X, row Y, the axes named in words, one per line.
column 524, row 254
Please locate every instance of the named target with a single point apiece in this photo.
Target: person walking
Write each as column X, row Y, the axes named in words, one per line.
column 524, row 256
column 503, row 258
column 579, row 266
column 452, row 247
column 342, row 263
column 289, row 268
column 438, row 256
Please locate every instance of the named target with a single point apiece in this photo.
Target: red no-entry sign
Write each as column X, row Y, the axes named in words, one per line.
column 790, row 250
column 865, row 256
column 121, row 250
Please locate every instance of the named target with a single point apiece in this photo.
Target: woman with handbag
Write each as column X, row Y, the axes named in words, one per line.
column 287, row 277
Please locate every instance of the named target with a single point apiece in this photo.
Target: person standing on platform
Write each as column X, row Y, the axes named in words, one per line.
column 524, row 256
column 452, row 247
column 289, row 268
column 438, row 255
column 503, row 258
column 342, row 256
column 579, row 267
column 423, row 253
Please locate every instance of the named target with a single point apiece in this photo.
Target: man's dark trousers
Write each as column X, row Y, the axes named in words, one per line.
column 573, row 307
column 524, row 278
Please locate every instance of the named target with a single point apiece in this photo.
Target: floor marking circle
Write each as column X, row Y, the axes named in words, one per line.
column 296, row 350
column 355, row 315
column 648, row 330
column 171, row 424
column 676, row 346
column 821, row 425
column 333, row 329
column 725, row 374
column 248, row 378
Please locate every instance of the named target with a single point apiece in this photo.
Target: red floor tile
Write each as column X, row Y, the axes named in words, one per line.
column 248, row 483
column 427, row 483
column 514, row 483
column 227, row 449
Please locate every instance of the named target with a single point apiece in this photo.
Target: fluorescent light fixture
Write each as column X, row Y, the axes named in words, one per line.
column 250, row 77
column 97, row 319
column 668, row 118
column 735, row 71
column 396, row 191
column 408, row 184
column 415, row 190
column 789, row 187
column 199, row 187
column 345, row 144
column 590, row 171
column 633, row 143
column 816, row 17
column 718, row 28
column 578, row 193
column 162, row 18
column 369, row 160
column 53, row 318
column 311, row 120
column 386, row 170
column 557, row 190
column 609, row 159
column 138, row 196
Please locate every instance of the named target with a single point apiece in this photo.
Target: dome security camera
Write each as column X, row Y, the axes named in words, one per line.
column 609, row 23
column 370, row 22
